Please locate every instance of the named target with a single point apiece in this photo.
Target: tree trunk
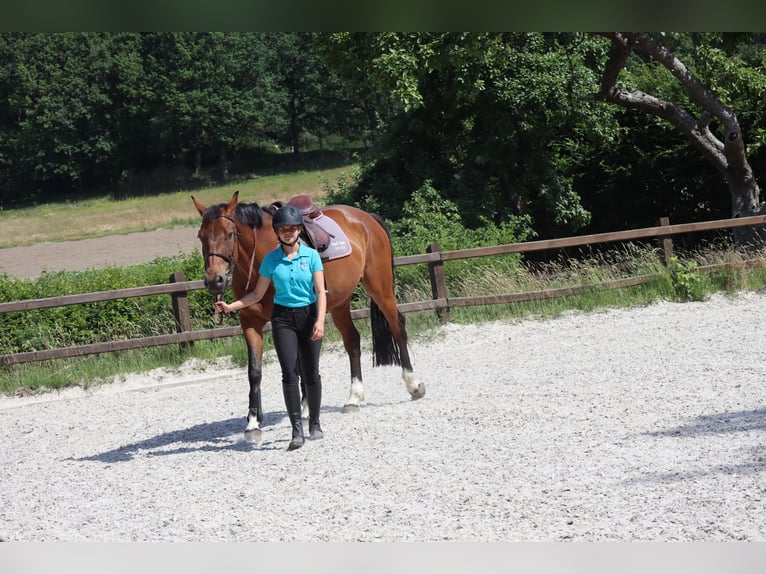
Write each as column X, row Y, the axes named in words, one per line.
column 294, row 127
column 224, row 163
column 727, row 155
column 197, row 162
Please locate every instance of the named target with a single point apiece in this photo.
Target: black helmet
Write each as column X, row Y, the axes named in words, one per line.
column 287, row 215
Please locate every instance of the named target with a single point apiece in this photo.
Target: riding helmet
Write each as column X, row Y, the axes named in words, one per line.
column 287, row 215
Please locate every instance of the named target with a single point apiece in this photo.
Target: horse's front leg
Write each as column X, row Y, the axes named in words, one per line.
column 253, row 432
column 341, row 317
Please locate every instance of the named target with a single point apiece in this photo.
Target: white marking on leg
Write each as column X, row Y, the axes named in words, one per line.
column 253, row 432
column 357, row 392
column 411, row 382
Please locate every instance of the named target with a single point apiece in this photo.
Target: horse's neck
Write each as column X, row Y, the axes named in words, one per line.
column 249, row 257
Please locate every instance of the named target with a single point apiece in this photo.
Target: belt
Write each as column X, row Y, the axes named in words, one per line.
column 283, row 309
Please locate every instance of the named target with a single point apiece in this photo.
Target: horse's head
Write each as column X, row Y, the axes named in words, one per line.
column 218, row 236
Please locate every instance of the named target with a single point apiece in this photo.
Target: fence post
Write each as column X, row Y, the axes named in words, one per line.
column 181, row 310
column 667, row 242
column 438, row 284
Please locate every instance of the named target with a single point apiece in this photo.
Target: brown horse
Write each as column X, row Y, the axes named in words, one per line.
column 236, row 236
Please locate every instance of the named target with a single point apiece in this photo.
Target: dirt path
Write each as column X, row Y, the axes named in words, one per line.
column 113, row 250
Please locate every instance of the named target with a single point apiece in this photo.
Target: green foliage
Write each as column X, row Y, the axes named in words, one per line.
column 102, row 321
column 429, row 218
column 87, row 110
column 494, row 121
column 500, row 123
column 688, row 284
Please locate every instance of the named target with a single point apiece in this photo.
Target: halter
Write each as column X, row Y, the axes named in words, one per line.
column 230, row 258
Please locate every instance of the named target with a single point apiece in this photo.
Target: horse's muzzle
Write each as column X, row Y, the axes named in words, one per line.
column 217, row 286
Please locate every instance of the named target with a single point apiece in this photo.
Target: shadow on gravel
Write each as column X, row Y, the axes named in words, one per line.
column 719, row 423
column 754, row 463
column 753, row 458
column 214, row 436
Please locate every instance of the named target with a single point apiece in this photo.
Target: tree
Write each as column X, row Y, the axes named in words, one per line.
column 60, row 127
column 213, row 92
column 698, row 114
column 314, row 102
column 493, row 121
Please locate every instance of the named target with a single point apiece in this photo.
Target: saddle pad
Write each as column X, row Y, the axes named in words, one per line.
column 339, row 245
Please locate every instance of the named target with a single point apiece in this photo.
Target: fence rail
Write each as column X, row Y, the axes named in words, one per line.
column 441, row 303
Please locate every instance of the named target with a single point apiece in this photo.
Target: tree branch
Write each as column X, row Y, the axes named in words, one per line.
column 696, row 130
column 733, row 146
column 728, row 155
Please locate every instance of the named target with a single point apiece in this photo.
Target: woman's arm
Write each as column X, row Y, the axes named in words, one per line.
column 318, row 332
column 250, row 299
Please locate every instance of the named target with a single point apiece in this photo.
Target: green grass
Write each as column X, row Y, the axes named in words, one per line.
column 97, row 217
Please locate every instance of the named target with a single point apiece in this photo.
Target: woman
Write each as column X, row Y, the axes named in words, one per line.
column 297, row 321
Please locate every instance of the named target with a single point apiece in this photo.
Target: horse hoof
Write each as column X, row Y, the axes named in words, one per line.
column 350, row 408
column 254, row 436
column 419, row 393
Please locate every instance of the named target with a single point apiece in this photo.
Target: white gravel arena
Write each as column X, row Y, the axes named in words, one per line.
column 641, row 424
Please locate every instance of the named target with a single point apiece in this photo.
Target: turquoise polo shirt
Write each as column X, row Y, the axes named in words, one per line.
column 293, row 278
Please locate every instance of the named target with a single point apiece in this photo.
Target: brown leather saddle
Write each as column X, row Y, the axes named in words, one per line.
column 321, row 232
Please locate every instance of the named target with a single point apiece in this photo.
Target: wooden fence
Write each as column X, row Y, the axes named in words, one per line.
column 178, row 288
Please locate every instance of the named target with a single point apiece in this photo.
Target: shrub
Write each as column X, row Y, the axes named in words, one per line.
column 103, row 321
column 687, row 282
column 428, row 218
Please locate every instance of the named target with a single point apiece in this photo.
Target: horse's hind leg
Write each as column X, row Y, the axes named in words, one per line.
column 414, row 386
column 341, row 317
column 394, row 336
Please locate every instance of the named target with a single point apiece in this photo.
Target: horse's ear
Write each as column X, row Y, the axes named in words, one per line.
column 201, row 208
column 233, row 201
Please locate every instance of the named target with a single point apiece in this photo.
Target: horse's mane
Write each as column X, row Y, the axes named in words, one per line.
column 248, row 213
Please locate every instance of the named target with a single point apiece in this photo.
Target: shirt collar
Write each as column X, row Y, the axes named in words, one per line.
column 301, row 251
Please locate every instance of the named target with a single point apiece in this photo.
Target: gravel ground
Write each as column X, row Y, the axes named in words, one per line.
column 643, row 424
column 31, row 261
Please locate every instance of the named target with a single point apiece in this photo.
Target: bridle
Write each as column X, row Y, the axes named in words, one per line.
column 230, row 259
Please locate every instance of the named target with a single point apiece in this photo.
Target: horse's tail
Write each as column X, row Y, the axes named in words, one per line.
column 385, row 349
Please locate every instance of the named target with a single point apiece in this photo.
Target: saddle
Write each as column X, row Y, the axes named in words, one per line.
column 320, row 231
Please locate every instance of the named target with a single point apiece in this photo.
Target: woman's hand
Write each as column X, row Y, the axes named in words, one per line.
column 223, row 307
column 318, row 331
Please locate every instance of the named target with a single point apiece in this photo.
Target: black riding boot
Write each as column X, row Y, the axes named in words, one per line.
column 314, row 393
column 293, row 404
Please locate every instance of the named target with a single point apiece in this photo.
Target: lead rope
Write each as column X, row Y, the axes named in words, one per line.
column 252, row 260
column 218, row 317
